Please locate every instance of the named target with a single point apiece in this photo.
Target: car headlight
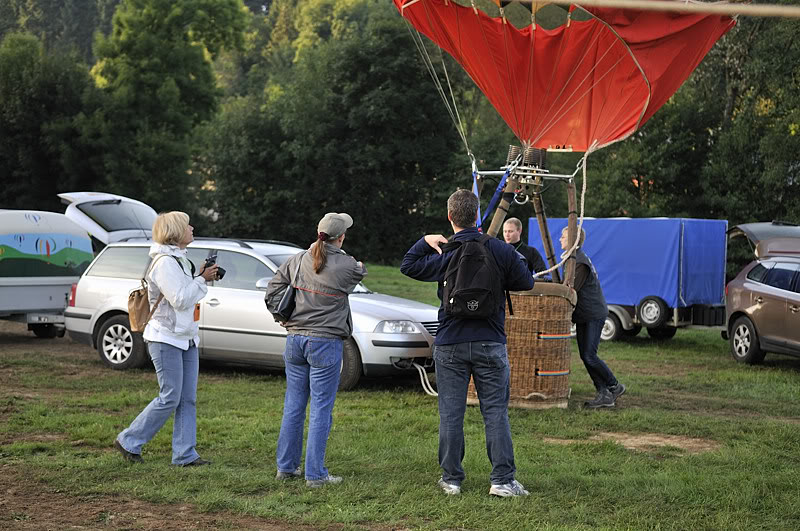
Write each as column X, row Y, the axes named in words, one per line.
column 397, row 327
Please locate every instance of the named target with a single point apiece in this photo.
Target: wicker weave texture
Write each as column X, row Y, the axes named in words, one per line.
column 535, row 359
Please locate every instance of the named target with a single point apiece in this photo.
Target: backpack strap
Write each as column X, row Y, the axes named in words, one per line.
column 144, row 283
column 484, row 239
column 451, row 245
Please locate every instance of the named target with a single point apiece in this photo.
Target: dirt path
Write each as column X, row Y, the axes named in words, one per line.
column 28, row 505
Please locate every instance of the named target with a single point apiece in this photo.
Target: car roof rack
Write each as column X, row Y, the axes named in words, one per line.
column 779, row 222
column 276, row 242
column 233, row 241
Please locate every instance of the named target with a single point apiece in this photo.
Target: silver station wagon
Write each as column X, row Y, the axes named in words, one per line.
column 390, row 334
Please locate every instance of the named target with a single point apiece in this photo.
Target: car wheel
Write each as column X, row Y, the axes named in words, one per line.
column 633, row 332
column 612, row 328
column 119, row 348
column 45, row 331
column 663, row 332
column 351, row 366
column 744, row 342
column 652, row 312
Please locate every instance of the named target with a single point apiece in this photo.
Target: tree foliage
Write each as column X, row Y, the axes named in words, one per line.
column 157, row 85
column 335, row 137
column 40, row 148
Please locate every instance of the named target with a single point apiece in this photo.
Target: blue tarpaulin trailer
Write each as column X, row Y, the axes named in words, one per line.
column 661, row 273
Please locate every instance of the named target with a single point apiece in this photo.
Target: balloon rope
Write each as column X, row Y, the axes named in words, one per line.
column 426, row 59
column 594, row 147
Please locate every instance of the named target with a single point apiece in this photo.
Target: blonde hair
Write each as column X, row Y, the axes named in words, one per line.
column 169, row 227
column 580, row 239
column 516, row 222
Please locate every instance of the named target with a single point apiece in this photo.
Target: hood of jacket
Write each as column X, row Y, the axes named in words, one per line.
column 171, row 250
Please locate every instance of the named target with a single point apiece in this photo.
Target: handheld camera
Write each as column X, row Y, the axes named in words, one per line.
column 210, row 261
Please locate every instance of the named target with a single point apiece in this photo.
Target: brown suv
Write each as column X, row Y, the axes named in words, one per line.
column 763, row 301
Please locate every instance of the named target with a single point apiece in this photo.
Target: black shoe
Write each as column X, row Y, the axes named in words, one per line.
column 136, row 458
column 197, row 462
column 603, row 399
column 617, row 391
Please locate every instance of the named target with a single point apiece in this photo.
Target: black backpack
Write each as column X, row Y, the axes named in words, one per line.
column 472, row 286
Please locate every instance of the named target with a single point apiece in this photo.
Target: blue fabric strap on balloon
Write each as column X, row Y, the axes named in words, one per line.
column 496, row 197
column 475, row 191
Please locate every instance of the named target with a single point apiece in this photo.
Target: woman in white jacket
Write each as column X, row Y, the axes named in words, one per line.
column 171, row 338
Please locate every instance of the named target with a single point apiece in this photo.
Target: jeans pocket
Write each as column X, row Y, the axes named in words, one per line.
column 292, row 353
column 444, row 353
column 494, row 355
column 324, row 352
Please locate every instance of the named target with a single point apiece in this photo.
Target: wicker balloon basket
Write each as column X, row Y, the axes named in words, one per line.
column 538, row 336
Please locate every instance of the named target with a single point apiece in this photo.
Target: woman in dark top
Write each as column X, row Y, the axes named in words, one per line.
column 589, row 317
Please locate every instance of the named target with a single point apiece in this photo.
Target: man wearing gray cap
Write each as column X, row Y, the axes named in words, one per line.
column 323, row 277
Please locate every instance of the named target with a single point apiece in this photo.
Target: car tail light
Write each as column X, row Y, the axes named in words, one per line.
column 72, row 294
column 726, row 290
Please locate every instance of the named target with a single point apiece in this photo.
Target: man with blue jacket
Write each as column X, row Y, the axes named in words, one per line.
column 471, row 347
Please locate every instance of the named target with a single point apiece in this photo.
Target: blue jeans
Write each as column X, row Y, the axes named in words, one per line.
column 313, row 366
column 177, row 371
column 487, row 362
column 588, row 336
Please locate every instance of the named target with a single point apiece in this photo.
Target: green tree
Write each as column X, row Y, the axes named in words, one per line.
column 157, row 84
column 357, row 128
column 752, row 170
column 41, row 153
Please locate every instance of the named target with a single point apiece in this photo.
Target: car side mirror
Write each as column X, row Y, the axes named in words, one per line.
column 262, row 283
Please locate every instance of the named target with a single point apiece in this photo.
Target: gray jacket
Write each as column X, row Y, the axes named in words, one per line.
column 322, row 307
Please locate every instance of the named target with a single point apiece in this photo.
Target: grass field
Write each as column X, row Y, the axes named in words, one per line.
column 698, row 442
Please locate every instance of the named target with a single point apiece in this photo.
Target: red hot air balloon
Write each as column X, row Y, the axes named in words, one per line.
column 594, row 80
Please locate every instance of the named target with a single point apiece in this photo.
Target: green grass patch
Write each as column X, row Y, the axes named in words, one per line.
column 61, row 416
column 389, row 280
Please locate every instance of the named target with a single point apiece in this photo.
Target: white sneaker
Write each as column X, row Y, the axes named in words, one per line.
column 329, row 480
column 449, row 488
column 514, row 488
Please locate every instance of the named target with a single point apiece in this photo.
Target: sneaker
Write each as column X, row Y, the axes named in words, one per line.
column 514, row 488
column 289, row 475
column 129, row 456
column 449, row 488
column 603, row 399
column 618, row 390
column 315, row 483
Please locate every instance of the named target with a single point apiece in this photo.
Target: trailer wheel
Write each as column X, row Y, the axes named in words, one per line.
column 663, row 332
column 119, row 348
column 612, row 328
column 652, row 312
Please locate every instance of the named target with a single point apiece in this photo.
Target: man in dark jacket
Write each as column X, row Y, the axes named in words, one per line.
column 471, row 347
column 589, row 317
column 512, row 234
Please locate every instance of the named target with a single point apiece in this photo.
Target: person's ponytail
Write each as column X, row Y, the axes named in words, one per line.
column 319, row 255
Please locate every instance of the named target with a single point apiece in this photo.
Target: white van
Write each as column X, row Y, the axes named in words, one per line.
column 42, row 255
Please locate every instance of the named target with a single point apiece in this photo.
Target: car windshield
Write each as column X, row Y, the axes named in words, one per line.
column 114, row 215
column 280, row 259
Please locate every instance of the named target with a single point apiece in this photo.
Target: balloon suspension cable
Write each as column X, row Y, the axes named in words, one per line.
column 450, row 104
column 580, row 166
